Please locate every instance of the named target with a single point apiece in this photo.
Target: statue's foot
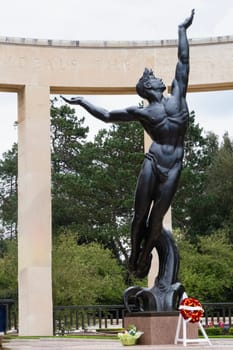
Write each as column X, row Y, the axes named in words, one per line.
column 132, row 264
column 143, row 267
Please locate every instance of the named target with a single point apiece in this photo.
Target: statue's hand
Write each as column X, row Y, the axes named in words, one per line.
column 74, row 100
column 188, row 21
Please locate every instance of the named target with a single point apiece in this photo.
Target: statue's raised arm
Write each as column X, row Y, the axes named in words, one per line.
column 182, row 67
column 188, row 21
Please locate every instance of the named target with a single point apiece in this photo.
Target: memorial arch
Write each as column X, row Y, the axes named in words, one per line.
column 35, row 68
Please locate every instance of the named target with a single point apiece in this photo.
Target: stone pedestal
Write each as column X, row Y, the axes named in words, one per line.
column 158, row 327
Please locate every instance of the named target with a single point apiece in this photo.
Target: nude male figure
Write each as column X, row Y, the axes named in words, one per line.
column 165, row 119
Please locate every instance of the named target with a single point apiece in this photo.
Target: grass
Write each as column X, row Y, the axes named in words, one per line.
column 88, row 336
column 219, row 336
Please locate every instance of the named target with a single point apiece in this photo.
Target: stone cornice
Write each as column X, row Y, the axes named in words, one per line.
column 111, row 44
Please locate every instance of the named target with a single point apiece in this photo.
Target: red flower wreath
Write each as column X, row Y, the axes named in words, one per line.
column 191, row 310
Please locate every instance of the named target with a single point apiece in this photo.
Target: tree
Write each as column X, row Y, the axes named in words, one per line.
column 85, row 274
column 9, row 270
column 116, row 157
column 8, row 192
column 193, row 206
column 67, row 138
column 205, row 270
column 220, row 185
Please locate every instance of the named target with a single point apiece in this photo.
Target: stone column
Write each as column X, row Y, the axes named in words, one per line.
column 34, row 212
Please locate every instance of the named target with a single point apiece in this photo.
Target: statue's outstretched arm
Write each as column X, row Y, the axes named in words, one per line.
column 101, row 113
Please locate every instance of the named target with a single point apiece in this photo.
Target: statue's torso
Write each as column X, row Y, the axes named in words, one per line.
column 166, row 124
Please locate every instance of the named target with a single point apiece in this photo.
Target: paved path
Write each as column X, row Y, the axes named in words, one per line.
column 91, row 344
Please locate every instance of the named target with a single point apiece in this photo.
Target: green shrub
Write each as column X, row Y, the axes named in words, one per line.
column 85, row 274
column 230, row 331
column 213, row 330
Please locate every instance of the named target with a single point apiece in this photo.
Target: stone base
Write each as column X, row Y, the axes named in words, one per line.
column 158, row 327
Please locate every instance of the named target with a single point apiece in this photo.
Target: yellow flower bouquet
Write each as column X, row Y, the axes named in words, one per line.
column 130, row 335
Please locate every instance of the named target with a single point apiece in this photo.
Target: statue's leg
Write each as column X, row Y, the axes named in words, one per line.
column 164, row 194
column 138, row 233
column 167, row 292
column 143, row 199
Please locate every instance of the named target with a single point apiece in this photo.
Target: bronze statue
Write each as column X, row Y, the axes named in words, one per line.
column 165, row 119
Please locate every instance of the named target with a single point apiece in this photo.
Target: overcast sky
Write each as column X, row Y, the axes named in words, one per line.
column 118, row 20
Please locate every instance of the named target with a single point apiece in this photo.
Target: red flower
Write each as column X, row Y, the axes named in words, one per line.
column 191, row 310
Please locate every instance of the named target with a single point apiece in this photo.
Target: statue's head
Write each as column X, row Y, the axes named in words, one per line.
column 149, row 82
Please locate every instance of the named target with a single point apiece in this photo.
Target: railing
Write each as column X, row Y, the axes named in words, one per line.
column 8, row 315
column 73, row 319
column 216, row 312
